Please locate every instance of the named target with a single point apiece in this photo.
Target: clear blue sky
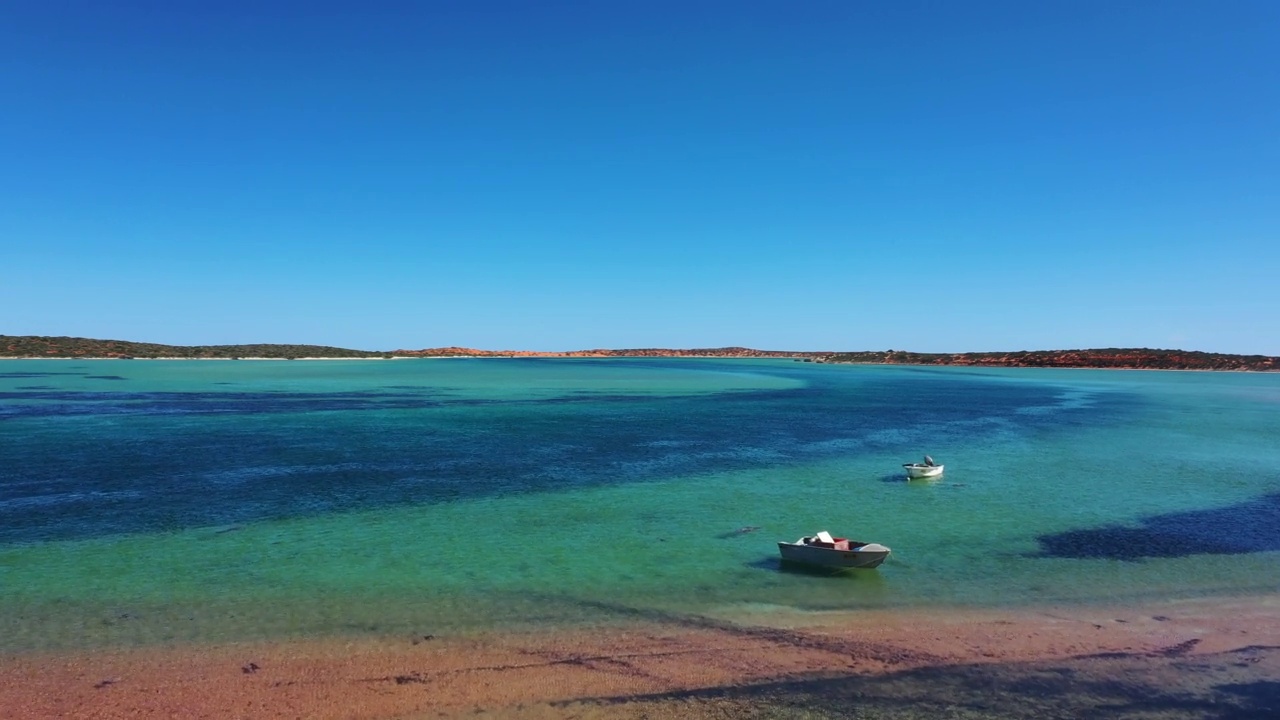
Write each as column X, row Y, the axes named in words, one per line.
column 845, row 175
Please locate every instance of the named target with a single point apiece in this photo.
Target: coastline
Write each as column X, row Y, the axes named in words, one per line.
column 553, row 356
column 38, row 347
column 683, row 666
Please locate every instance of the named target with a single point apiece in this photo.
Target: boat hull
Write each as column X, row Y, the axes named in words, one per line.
column 831, row 558
column 915, row 471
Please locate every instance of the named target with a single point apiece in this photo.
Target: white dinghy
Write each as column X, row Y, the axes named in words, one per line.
column 926, row 469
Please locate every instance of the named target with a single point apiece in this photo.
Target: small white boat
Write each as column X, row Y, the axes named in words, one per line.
column 926, row 469
column 823, row 550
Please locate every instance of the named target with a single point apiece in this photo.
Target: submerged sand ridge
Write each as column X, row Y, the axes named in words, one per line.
column 1184, row 659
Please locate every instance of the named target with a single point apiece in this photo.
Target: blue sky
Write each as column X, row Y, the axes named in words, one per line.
column 929, row 176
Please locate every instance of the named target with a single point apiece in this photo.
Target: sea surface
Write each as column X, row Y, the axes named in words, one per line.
column 189, row 501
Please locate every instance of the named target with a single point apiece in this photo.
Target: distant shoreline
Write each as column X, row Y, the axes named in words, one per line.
column 634, row 357
column 69, row 348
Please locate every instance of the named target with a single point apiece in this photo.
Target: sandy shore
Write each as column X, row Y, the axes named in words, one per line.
column 1029, row 663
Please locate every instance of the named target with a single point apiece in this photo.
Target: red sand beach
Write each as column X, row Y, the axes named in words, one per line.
column 797, row 665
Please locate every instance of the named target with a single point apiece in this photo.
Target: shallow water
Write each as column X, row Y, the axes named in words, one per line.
column 151, row 501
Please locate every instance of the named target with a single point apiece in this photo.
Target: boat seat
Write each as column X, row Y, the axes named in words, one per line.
column 825, row 536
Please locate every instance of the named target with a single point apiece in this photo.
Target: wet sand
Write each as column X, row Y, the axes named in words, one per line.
column 1180, row 659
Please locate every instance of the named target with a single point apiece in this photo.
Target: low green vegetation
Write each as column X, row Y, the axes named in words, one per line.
column 68, row 347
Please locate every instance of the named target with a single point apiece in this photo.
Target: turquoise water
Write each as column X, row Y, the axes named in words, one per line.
column 167, row 501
